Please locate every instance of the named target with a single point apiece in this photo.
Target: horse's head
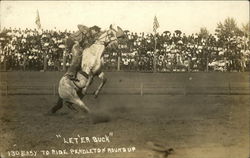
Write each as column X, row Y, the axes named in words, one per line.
column 112, row 35
column 117, row 31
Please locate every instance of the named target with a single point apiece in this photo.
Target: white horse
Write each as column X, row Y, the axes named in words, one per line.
column 72, row 92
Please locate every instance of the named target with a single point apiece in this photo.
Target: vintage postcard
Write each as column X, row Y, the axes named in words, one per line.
column 124, row 79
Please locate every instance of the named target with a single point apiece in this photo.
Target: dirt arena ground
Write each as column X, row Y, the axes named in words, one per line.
column 194, row 126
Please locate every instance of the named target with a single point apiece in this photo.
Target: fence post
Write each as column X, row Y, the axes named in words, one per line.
column 64, row 61
column 4, row 65
column 44, row 61
column 118, row 63
column 154, row 63
column 207, row 64
column 189, row 62
column 242, row 65
column 141, row 89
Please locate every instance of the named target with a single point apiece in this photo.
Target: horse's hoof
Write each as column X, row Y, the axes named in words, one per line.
column 86, row 110
column 96, row 94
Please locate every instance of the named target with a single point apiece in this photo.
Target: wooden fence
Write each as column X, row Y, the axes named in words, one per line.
column 140, row 88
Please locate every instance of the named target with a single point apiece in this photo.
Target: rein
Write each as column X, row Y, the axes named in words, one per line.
column 109, row 36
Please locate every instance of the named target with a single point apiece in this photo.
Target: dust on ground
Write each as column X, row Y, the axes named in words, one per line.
column 194, row 126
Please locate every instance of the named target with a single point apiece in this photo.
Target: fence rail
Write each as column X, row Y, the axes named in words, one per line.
column 132, row 89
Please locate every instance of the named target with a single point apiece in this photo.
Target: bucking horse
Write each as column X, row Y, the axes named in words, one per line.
column 72, row 92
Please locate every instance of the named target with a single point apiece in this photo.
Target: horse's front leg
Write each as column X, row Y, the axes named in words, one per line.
column 58, row 105
column 104, row 80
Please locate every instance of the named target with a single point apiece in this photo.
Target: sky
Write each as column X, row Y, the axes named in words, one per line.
column 136, row 16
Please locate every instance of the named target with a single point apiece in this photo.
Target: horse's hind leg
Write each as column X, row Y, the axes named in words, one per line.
column 70, row 106
column 80, row 94
column 81, row 104
column 58, row 105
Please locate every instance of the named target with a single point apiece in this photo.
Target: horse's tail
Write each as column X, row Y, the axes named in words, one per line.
column 59, row 105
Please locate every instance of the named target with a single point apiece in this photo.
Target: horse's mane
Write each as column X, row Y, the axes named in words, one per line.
column 99, row 35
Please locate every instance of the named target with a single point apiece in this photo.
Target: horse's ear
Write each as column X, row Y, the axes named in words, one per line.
column 110, row 26
column 119, row 28
column 120, row 32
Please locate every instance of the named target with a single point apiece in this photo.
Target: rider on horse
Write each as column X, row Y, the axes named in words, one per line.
column 76, row 43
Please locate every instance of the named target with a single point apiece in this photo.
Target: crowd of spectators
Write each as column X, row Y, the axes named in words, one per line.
column 178, row 52
column 31, row 49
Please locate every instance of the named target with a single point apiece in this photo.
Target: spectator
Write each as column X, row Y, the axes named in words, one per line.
column 30, row 50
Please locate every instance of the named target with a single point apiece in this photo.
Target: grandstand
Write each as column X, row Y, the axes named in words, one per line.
column 29, row 50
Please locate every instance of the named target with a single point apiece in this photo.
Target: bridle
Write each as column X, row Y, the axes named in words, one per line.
column 108, row 38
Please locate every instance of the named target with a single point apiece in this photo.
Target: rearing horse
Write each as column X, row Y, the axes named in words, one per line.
column 72, row 92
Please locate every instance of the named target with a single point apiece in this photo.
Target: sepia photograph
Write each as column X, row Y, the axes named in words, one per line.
column 124, row 79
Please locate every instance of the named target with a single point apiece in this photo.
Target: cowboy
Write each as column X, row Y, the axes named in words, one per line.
column 76, row 43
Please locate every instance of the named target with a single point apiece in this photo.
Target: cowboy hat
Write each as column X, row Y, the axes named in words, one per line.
column 82, row 28
column 96, row 28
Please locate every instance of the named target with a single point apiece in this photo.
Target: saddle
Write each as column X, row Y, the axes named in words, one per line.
column 84, row 74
